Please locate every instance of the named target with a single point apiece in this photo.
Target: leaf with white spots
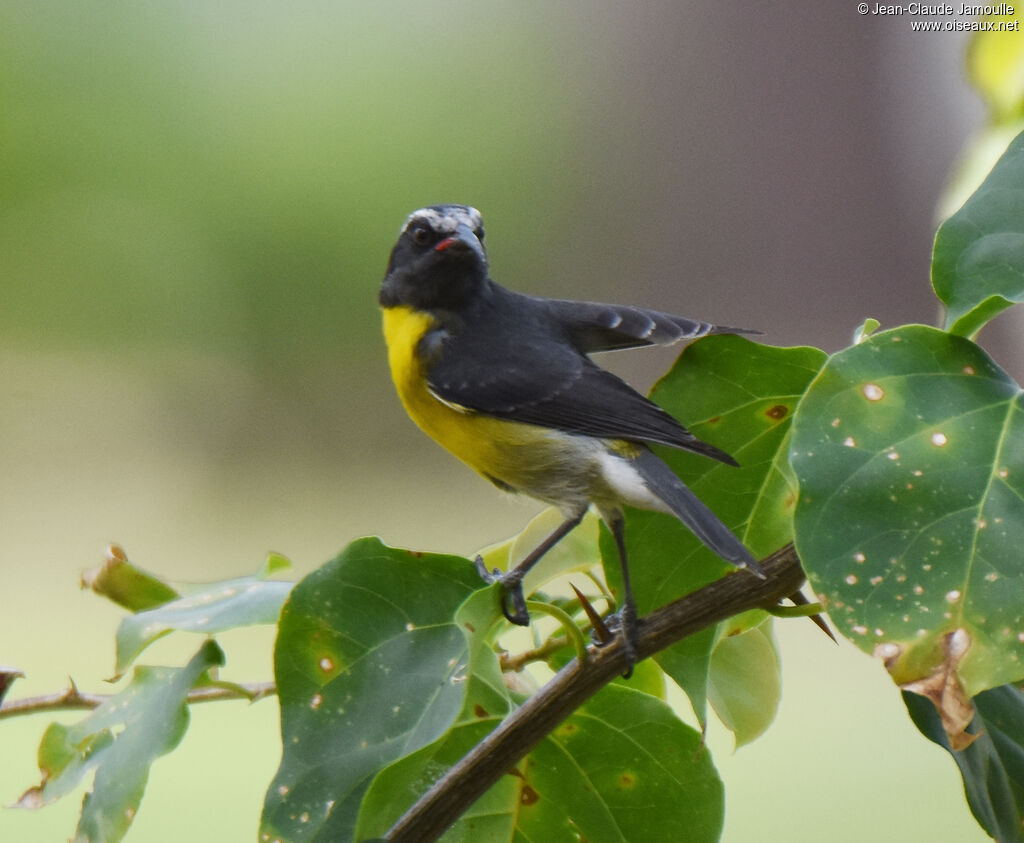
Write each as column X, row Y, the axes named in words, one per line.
column 207, row 610
column 909, row 449
column 487, row 701
column 372, row 663
column 119, row 740
column 978, row 260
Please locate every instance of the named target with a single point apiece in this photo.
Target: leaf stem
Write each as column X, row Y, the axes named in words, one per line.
column 567, row 624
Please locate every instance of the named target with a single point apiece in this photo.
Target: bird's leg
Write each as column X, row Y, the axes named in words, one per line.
column 626, row 614
column 512, row 582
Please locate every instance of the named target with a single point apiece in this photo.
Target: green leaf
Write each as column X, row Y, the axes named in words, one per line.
column 621, row 768
column 745, row 682
column 371, row 665
column 739, row 396
column 995, row 65
column 689, row 664
column 129, row 586
column 910, row 453
column 978, row 259
column 577, row 551
column 865, row 330
column 486, row 692
column 275, row 563
column 399, row 785
column 207, row 610
column 120, row 740
column 993, row 765
column 976, row 162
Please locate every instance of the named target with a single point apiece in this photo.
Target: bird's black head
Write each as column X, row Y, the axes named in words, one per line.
column 439, row 260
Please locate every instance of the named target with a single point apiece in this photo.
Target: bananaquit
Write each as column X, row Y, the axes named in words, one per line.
column 503, row 381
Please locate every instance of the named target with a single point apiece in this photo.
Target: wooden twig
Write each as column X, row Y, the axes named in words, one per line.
column 513, row 739
column 72, row 698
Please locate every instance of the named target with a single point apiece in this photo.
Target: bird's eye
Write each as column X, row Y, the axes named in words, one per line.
column 479, row 232
column 421, row 235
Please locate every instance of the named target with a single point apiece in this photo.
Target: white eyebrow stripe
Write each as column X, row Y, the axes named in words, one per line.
column 444, row 222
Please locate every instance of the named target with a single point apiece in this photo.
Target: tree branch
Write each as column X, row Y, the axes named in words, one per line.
column 72, row 698
column 513, row 739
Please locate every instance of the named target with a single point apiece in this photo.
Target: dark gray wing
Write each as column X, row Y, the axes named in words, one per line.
column 598, row 403
column 594, row 326
column 515, row 363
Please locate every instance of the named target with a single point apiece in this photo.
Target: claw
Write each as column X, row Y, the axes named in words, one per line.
column 518, row 615
column 512, row 588
column 487, row 576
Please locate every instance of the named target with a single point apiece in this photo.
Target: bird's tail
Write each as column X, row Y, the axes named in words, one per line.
column 692, row 511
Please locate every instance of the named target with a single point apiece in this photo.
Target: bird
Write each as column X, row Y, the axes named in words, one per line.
column 505, row 382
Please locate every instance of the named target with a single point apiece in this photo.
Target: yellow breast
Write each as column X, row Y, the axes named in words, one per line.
column 494, row 447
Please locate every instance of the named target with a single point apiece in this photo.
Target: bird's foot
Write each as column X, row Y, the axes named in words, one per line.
column 625, row 623
column 512, row 591
column 755, row 569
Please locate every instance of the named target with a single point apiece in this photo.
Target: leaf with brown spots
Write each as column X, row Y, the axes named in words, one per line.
column 945, row 691
column 739, row 396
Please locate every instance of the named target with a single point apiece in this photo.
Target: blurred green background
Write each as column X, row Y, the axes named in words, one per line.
column 197, row 201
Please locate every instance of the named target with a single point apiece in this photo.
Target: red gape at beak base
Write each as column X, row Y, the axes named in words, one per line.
column 444, row 244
